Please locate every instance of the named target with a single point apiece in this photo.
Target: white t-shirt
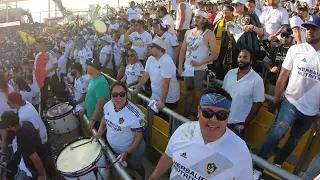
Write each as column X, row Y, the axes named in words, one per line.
column 121, row 125
column 133, row 72
column 35, row 93
column 117, row 54
column 3, row 106
column 174, row 5
column 68, row 47
column 62, row 66
column 273, row 19
column 27, row 96
column 114, row 26
column 296, row 21
column 84, row 54
column 106, row 50
column 168, row 20
column 80, row 87
column 140, row 43
column 171, row 41
column 303, row 90
column 244, row 93
column 159, row 69
column 52, row 60
column 134, row 13
column 29, row 113
column 227, row 158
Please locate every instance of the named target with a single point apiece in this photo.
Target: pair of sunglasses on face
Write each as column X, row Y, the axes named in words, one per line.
column 121, row 94
column 221, row 115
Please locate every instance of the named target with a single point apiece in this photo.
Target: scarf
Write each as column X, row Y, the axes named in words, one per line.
column 221, row 25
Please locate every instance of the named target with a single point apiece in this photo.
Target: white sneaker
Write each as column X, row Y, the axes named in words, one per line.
column 279, row 165
column 257, row 175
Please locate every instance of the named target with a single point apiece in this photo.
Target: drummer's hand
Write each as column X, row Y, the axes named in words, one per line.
column 82, row 111
column 91, row 124
column 97, row 136
column 124, row 156
column 41, row 178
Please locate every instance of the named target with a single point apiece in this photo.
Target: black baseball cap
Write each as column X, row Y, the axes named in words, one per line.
column 41, row 40
column 94, row 63
column 76, row 66
column 9, row 119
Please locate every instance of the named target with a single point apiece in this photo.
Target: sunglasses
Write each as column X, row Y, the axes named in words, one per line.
column 121, row 94
column 221, row 115
column 285, row 35
column 130, row 55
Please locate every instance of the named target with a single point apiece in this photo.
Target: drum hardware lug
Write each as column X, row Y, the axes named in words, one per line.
column 54, row 122
column 64, row 119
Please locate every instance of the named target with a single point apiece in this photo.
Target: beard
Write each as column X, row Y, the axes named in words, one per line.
column 313, row 40
column 73, row 73
column 243, row 65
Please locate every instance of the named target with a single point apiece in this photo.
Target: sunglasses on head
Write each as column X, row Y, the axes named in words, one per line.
column 121, row 94
column 221, row 115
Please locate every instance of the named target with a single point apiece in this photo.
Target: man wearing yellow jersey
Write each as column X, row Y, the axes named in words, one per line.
column 207, row 149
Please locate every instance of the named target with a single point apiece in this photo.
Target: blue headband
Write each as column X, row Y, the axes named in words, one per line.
column 217, row 100
column 158, row 47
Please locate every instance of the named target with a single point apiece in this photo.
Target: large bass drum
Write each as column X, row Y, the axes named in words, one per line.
column 86, row 162
column 61, row 119
column 63, row 124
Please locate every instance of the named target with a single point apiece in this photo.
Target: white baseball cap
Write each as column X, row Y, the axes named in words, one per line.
column 239, row 2
column 106, row 38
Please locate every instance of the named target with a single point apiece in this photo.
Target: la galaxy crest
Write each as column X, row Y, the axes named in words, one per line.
column 211, row 168
column 121, row 120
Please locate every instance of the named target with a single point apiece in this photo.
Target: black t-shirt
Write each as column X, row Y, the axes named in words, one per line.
column 29, row 142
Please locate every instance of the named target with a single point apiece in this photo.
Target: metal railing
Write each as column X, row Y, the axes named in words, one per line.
column 175, row 120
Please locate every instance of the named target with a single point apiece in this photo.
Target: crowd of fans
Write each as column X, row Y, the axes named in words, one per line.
column 148, row 48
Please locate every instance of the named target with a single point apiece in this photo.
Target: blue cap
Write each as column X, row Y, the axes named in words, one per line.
column 313, row 21
column 214, row 99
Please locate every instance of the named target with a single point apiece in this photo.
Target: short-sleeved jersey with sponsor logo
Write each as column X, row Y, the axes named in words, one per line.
column 303, row 90
column 227, row 158
column 80, row 87
column 121, row 125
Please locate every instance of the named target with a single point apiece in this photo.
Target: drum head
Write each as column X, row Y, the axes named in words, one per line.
column 59, row 109
column 72, row 160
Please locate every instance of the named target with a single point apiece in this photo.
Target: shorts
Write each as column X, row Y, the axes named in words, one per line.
column 196, row 82
column 181, row 35
column 238, row 129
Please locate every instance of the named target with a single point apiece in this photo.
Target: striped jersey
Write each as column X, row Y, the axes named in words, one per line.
column 121, row 125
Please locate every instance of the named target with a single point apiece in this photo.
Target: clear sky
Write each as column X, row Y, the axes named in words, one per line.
column 36, row 6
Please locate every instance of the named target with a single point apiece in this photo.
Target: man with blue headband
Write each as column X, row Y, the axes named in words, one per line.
column 207, row 149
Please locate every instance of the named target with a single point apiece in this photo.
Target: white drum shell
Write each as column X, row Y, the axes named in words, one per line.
column 64, row 124
column 87, row 173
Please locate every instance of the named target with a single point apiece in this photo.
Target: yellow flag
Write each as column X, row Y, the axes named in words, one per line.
column 96, row 11
column 26, row 37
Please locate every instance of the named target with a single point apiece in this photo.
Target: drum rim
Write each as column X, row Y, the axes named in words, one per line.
column 61, row 115
column 84, row 170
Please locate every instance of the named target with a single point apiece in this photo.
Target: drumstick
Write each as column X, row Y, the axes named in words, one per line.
column 72, row 147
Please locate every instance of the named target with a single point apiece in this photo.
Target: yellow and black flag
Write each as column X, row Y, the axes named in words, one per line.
column 95, row 14
column 26, row 37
